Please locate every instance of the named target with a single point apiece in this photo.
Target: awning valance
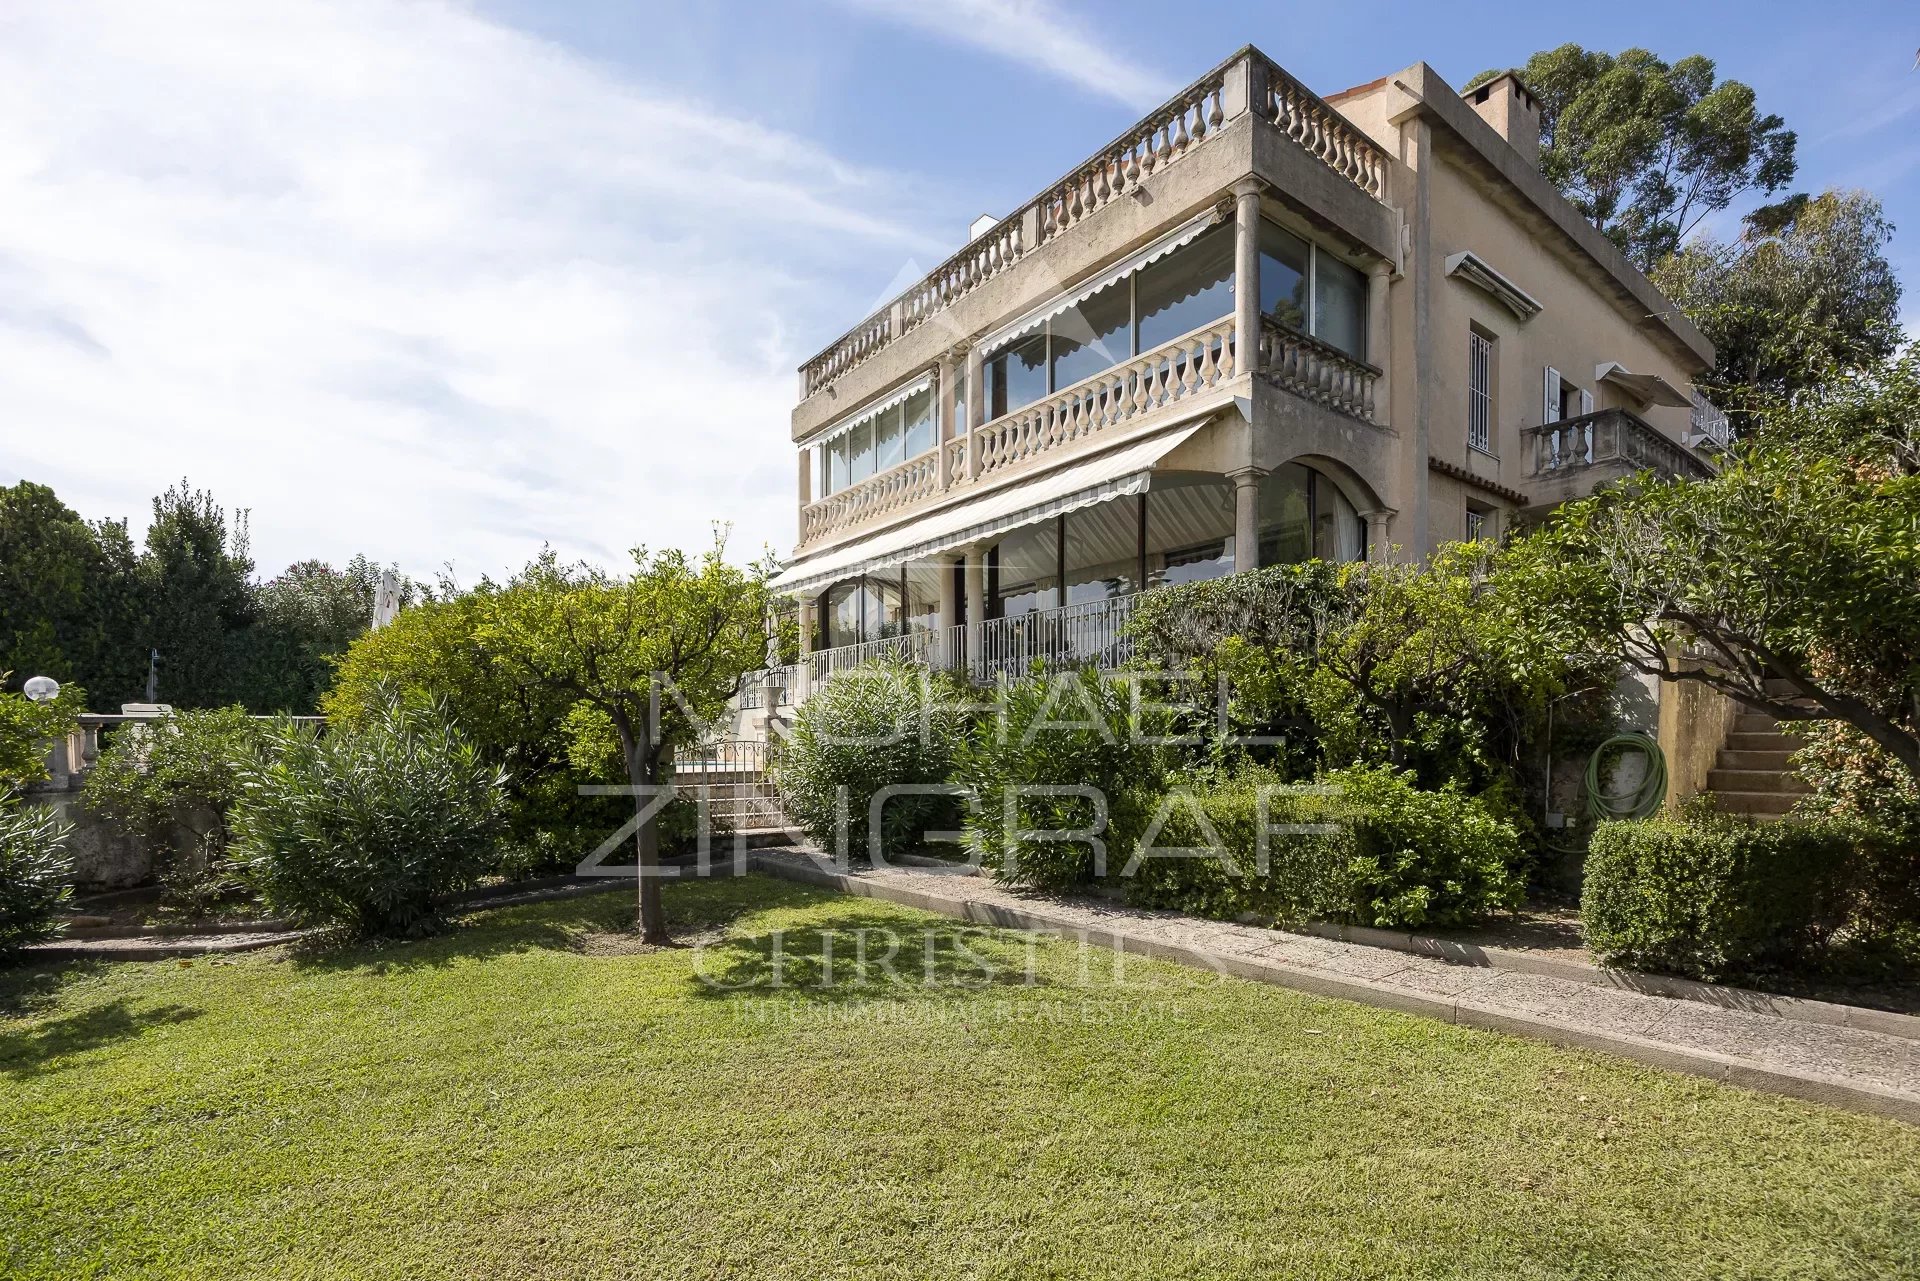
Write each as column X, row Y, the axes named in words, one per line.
column 1181, row 235
column 870, row 410
column 1648, row 389
column 1115, row 474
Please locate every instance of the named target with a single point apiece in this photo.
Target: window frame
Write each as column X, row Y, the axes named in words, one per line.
column 1481, row 346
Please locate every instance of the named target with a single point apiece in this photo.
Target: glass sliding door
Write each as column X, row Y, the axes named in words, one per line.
column 1185, row 290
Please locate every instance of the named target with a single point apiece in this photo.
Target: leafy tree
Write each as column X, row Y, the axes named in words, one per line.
column 36, row 873
column 65, row 592
column 1799, row 564
column 658, row 653
column 304, row 620
column 1646, row 148
column 194, row 573
column 27, row 729
column 1805, row 293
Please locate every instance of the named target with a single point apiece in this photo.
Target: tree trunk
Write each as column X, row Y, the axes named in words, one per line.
column 642, row 772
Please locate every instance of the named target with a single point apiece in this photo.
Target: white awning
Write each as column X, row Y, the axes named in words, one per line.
column 1111, row 475
column 860, row 415
column 1478, row 272
column 1648, row 389
column 1181, row 235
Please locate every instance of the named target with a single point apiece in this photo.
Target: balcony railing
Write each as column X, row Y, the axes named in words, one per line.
column 1611, row 436
column 1247, row 82
column 1068, row 636
column 1316, row 370
column 1192, row 363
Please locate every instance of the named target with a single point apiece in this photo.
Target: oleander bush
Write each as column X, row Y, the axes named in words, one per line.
column 878, row 726
column 35, row 872
column 1066, row 751
column 1716, row 896
column 365, row 827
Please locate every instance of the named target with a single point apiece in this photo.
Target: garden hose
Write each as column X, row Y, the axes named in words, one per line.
column 1644, row 799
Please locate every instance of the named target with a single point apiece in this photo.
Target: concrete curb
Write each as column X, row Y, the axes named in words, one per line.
column 1815, row 1087
column 1799, row 1009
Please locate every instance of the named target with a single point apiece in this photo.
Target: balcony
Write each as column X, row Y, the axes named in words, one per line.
column 1248, row 84
column 1575, row 456
column 1178, row 376
column 1089, row 632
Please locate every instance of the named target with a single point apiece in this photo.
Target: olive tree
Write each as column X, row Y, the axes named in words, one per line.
column 656, row 653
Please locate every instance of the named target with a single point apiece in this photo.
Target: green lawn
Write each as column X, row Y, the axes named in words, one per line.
column 535, row 1096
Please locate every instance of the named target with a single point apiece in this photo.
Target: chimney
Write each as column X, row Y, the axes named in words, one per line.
column 1512, row 110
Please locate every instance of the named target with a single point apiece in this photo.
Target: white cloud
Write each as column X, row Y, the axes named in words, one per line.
column 1035, row 34
column 404, row 281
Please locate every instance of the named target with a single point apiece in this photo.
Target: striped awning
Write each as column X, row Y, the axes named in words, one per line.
column 1114, row 474
column 1181, row 235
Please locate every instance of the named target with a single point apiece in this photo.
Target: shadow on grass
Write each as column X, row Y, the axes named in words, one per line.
column 696, row 910
column 33, row 1051
column 861, row 952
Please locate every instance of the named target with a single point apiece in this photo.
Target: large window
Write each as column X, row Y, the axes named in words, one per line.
column 1187, row 289
column 1479, row 390
column 1310, row 290
column 887, row 439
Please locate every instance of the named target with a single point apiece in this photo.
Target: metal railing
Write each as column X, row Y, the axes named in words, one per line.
column 1066, row 636
column 1611, row 436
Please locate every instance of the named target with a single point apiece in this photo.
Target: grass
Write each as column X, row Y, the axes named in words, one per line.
column 535, row 1095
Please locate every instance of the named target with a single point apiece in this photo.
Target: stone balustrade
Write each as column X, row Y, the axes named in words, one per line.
column 1611, row 436
column 1314, row 369
column 1248, row 83
column 1154, row 143
column 1298, row 112
column 1195, row 362
column 897, row 487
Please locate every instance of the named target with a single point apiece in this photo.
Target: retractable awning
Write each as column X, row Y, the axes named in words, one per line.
column 1114, row 474
column 1649, row 389
column 1181, row 235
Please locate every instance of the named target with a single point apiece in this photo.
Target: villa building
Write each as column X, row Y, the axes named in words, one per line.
column 1260, row 326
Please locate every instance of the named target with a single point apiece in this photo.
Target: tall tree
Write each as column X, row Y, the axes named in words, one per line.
column 657, row 653
column 1804, row 295
column 67, row 606
column 1646, row 148
column 1790, row 582
column 194, row 571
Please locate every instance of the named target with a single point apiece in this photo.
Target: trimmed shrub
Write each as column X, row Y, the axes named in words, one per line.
column 35, row 873
column 875, row 727
column 1712, row 896
column 28, row 729
column 1372, row 850
column 1207, row 856
column 366, row 826
column 1432, row 859
column 1081, row 733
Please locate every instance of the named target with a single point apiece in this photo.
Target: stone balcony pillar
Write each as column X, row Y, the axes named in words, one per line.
column 806, row 626
column 976, row 576
column 976, row 409
column 1380, row 340
column 944, row 426
column 1246, row 518
column 1380, row 535
column 806, row 486
column 1246, row 276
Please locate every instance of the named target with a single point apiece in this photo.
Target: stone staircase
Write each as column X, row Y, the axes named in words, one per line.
column 1751, row 775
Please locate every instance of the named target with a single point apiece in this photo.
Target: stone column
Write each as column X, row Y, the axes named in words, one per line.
column 806, row 488
column 976, row 575
column 1380, row 340
column 976, row 408
column 1246, row 518
column 943, row 425
column 1246, row 276
column 806, row 626
column 1379, row 535
column 949, row 610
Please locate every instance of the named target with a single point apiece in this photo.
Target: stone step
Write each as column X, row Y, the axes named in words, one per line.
column 1755, row 803
column 1772, row 762
column 1756, row 780
column 1756, row 723
column 1742, row 741
column 1780, row 688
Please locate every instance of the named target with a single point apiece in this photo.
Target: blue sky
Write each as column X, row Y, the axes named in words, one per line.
column 441, row 282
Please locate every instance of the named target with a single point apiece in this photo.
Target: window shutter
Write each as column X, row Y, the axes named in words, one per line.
column 1586, row 401
column 1550, row 407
